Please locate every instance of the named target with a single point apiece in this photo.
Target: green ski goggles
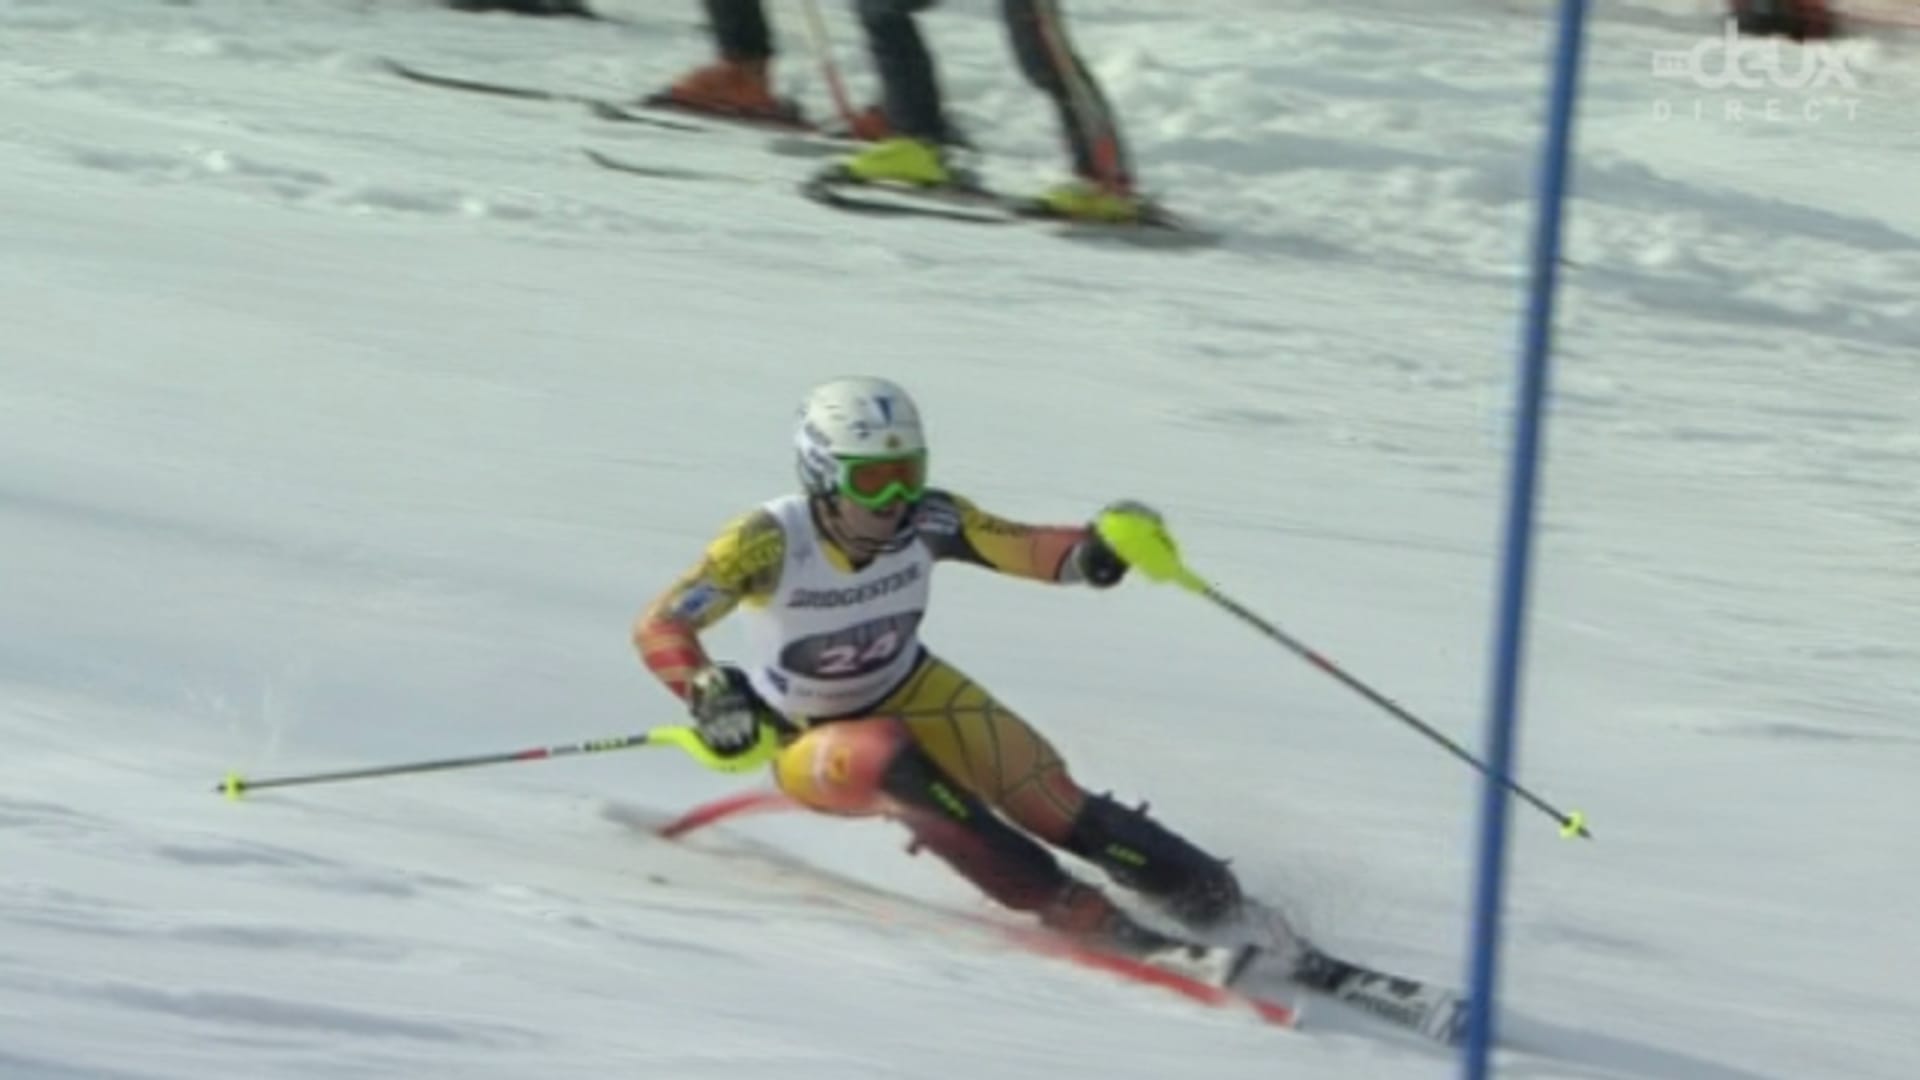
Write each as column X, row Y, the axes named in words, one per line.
column 878, row 482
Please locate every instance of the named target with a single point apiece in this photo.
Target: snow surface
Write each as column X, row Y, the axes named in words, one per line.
column 346, row 422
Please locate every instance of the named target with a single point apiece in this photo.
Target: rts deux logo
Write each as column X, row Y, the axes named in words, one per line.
column 1808, row 77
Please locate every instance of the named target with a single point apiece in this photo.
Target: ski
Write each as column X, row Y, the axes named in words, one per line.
column 1283, row 959
column 1227, row 994
column 979, row 205
column 648, row 113
column 627, row 165
column 557, row 10
column 813, row 145
column 577, row 11
column 1420, row 1008
column 1267, row 1009
column 1432, row 1012
column 658, row 172
column 599, row 104
column 976, row 205
column 649, row 110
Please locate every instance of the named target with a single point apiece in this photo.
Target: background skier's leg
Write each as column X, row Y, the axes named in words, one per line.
column 1039, row 38
column 740, row 29
column 739, row 83
column 900, row 56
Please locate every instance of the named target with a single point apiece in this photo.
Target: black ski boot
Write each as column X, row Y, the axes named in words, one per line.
column 1018, row 872
column 1143, row 855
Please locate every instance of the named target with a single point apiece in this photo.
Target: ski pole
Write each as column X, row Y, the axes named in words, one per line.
column 829, row 70
column 680, row 737
column 1144, row 542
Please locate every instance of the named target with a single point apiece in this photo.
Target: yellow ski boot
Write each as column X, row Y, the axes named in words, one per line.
column 1081, row 200
column 908, row 162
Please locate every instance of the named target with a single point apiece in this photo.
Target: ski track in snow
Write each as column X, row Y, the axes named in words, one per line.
column 330, row 427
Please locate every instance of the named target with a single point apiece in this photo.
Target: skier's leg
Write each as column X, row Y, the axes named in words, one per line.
column 1011, row 766
column 910, row 83
column 1038, row 34
column 989, row 748
column 916, row 124
column 840, row 767
column 1009, row 866
column 739, row 83
column 874, row 766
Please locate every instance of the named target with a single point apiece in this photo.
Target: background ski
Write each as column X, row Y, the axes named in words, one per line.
column 604, row 107
column 979, row 205
column 650, row 110
column 974, row 205
column 817, row 145
column 575, row 11
column 651, row 113
column 659, row 172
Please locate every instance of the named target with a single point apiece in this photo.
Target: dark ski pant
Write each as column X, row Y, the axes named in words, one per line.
column 740, row 29
column 912, row 89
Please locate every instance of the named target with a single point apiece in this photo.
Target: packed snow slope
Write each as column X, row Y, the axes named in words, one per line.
column 346, row 422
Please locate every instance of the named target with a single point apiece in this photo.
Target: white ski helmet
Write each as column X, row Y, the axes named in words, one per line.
column 857, row 416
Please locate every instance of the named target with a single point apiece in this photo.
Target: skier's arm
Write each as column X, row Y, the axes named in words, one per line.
column 741, row 565
column 958, row 530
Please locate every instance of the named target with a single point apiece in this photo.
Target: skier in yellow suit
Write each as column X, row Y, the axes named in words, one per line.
column 833, row 583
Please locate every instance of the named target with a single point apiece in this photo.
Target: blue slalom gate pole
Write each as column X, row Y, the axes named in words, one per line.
column 1518, row 539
